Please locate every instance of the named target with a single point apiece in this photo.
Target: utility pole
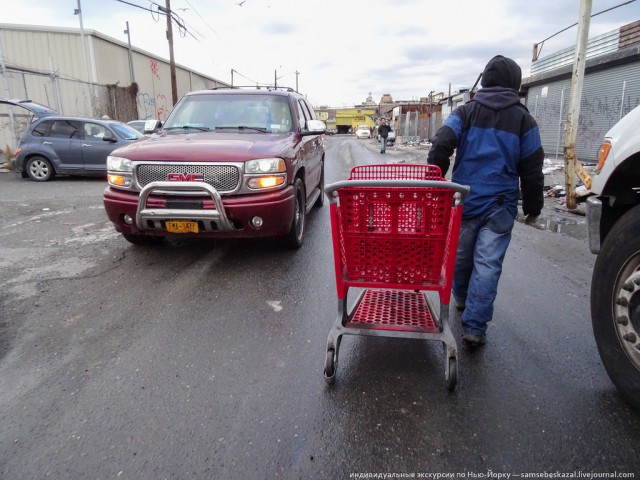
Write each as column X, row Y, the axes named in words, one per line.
column 128, row 32
column 78, row 11
column 297, row 73
column 172, row 62
column 572, row 165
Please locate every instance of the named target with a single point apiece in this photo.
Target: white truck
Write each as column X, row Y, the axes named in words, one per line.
column 613, row 214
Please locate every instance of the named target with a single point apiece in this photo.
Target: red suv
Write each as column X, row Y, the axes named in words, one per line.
column 227, row 163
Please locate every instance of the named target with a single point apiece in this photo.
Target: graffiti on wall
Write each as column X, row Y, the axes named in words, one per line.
column 153, row 105
column 597, row 115
column 154, row 69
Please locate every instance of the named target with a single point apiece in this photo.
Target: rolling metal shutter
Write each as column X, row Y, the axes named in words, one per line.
column 607, row 96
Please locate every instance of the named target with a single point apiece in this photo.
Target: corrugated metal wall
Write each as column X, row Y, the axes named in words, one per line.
column 607, row 96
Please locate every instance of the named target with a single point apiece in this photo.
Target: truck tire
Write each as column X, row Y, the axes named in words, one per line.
column 615, row 305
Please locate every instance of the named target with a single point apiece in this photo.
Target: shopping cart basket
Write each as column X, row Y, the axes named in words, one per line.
column 395, row 235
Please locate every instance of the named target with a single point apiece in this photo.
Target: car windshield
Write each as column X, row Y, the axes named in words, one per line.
column 138, row 126
column 261, row 113
column 125, row 131
column 363, row 127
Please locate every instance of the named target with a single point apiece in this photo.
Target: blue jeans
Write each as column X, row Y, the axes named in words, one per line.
column 383, row 144
column 481, row 249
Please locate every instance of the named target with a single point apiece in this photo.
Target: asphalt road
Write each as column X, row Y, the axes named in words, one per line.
column 198, row 359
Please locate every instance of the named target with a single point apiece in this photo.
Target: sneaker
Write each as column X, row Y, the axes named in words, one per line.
column 474, row 340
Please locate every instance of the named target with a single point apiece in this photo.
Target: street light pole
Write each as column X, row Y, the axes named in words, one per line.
column 297, row 73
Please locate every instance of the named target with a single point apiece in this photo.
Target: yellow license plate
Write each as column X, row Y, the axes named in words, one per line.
column 181, row 226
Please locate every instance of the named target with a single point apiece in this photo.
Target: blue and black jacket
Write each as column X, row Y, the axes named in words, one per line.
column 498, row 151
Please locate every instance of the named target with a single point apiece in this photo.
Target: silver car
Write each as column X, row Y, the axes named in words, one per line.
column 57, row 145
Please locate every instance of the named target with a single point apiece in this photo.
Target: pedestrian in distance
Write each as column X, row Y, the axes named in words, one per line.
column 498, row 152
column 383, row 131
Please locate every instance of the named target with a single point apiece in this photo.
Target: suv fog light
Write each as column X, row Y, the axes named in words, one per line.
column 128, row 220
column 119, row 180
column 257, row 222
column 266, row 182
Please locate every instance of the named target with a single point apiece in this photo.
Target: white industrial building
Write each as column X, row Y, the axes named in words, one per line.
column 107, row 77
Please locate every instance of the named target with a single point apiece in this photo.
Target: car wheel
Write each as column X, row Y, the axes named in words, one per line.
column 40, row 169
column 142, row 239
column 296, row 234
column 615, row 305
column 320, row 201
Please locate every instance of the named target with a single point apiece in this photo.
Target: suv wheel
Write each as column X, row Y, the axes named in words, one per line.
column 40, row 169
column 320, row 201
column 296, row 235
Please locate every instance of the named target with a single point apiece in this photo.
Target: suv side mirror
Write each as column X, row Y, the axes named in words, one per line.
column 108, row 137
column 315, row 127
column 152, row 126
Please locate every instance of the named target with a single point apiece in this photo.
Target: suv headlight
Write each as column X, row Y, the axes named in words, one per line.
column 265, row 165
column 119, row 164
column 119, row 171
column 265, row 173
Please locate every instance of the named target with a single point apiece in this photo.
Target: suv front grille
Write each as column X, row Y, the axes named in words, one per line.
column 224, row 178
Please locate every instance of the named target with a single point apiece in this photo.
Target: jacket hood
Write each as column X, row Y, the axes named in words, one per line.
column 497, row 98
column 502, row 72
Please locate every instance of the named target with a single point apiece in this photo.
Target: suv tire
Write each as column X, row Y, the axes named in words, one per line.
column 320, row 200
column 295, row 237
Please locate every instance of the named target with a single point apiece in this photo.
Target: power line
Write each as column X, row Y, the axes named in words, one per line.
column 160, row 10
column 201, row 17
column 536, row 50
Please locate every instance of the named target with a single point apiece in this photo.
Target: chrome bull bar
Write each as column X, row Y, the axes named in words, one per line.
column 144, row 214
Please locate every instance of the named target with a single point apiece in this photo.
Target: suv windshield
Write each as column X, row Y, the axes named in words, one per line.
column 262, row 113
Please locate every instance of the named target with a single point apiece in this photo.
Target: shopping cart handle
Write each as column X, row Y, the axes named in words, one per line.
column 463, row 190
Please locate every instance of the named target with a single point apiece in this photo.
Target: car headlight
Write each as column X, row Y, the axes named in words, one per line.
column 119, row 171
column 265, row 165
column 119, row 164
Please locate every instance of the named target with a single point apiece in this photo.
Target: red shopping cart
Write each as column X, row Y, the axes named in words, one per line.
column 395, row 235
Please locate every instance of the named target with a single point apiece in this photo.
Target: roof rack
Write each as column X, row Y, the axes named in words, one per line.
column 255, row 87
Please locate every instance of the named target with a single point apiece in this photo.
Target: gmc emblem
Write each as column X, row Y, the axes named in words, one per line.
column 185, row 177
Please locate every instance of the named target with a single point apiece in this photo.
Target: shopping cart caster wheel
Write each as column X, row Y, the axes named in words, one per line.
column 452, row 374
column 330, row 366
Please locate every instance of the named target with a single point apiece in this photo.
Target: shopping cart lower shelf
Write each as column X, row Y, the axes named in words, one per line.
column 395, row 232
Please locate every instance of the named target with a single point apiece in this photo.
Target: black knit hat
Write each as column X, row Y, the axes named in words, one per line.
column 502, row 72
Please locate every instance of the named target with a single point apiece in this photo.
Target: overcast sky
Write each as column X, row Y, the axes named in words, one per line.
column 344, row 50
